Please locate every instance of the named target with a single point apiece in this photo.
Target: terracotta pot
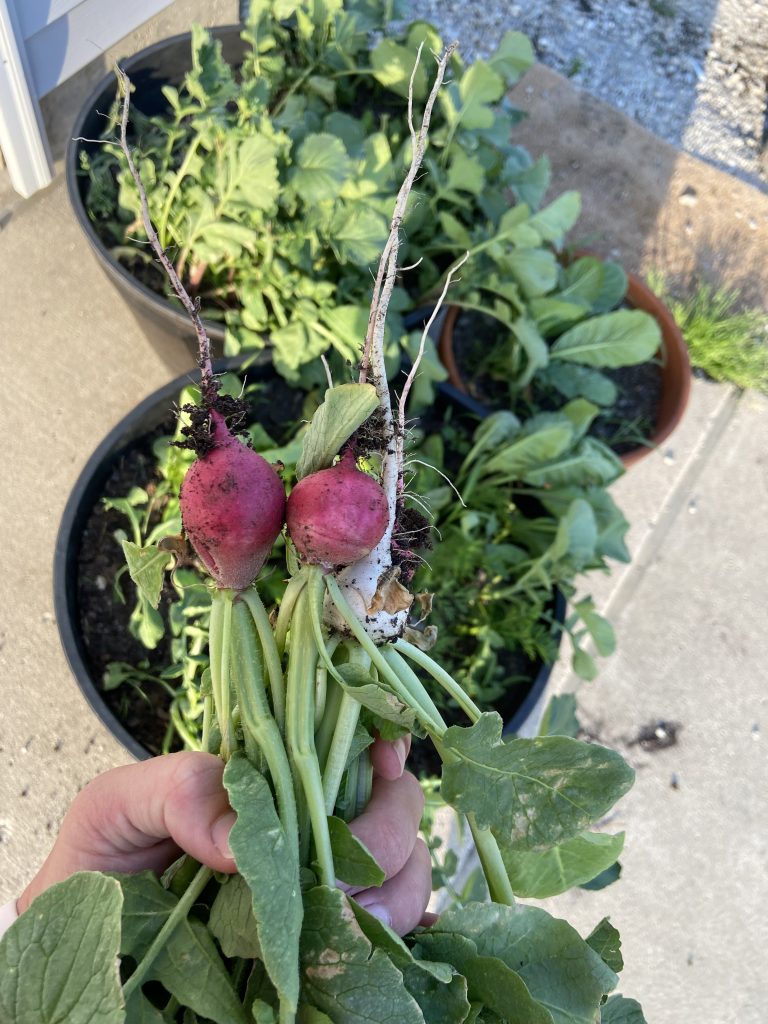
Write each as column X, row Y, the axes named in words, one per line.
column 673, row 353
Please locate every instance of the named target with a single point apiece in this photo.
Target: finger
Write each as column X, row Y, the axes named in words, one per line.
column 390, row 822
column 388, row 759
column 402, row 900
column 169, row 802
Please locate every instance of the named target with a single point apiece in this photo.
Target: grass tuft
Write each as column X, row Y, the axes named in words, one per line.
column 725, row 340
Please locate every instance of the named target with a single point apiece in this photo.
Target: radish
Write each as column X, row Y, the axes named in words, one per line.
column 232, row 507
column 338, row 515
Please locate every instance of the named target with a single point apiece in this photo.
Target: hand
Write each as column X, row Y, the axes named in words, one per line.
column 142, row 816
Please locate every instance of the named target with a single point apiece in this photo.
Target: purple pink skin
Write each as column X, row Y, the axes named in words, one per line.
column 233, row 508
column 337, row 516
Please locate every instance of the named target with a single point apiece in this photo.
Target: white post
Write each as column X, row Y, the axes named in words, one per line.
column 22, row 135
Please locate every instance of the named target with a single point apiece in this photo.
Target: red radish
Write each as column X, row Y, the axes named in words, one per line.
column 338, row 515
column 233, row 508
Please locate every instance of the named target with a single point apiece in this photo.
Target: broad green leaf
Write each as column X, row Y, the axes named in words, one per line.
column 478, row 87
column 599, row 627
column 584, row 280
column 606, row 942
column 581, row 413
column 528, row 179
column 375, row 696
column 619, row 1010
column 571, row 379
column 347, row 326
column 466, row 173
column 552, row 223
column 614, row 287
column 493, row 431
column 374, row 174
column 344, row 409
column 539, row 875
column 268, row 862
column 147, row 569
column 517, row 458
column 491, row 983
column 535, row 270
column 455, row 230
column 232, row 923
column 560, row 717
column 559, row 969
column 322, row 166
column 591, row 462
column 358, row 234
column 576, row 533
column 224, row 240
column 294, row 345
column 534, row 346
column 250, row 173
column 512, row 57
column 189, row 965
column 353, row 862
column 343, row 975
column 534, row 793
column 623, row 338
column 583, row 664
column 611, row 524
column 552, row 315
column 393, row 66
column 59, row 961
column 139, row 1010
column 146, row 623
column 440, row 1002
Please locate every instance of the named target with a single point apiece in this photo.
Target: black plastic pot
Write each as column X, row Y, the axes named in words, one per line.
column 165, row 63
column 520, row 705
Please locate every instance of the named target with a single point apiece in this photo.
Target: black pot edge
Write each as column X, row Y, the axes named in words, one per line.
column 115, row 271
column 138, row 421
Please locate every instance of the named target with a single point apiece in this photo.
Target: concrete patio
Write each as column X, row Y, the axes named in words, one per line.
column 690, row 611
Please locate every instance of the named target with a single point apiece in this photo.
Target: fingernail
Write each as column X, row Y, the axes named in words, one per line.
column 220, row 834
column 401, row 751
column 380, row 911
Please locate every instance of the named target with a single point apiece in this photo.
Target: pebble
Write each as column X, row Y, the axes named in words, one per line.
column 700, row 68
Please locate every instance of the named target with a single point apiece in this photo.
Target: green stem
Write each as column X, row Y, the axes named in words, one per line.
column 225, row 713
column 300, row 733
column 440, row 676
column 364, row 783
column 258, row 722
column 285, row 612
column 358, row 631
column 215, row 652
column 181, row 728
column 415, row 687
column 324, row 733
column 347, row 718
column 162, row 224
column 207, row 716
column 492, row 864
column 270, row 652
column 176, row 916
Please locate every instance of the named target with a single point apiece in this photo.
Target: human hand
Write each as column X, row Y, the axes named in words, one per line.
column 142, row 816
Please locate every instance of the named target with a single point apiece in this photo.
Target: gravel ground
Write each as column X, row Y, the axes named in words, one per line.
column 694, row 72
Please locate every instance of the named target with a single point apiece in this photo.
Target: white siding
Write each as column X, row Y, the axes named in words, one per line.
column 43, row 43
column 62, row 36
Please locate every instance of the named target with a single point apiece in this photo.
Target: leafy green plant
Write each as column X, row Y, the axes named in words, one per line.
column 291, row 706
column 725, row 340
column 272, row 185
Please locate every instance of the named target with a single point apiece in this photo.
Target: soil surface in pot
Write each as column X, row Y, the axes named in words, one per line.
column 629, row 424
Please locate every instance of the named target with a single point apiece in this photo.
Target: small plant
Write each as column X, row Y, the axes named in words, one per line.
column 725, row 340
